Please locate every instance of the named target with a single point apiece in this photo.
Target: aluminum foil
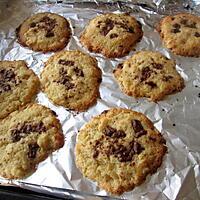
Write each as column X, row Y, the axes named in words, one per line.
column 177, row 117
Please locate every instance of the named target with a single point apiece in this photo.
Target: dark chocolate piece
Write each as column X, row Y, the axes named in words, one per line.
column 138, row 128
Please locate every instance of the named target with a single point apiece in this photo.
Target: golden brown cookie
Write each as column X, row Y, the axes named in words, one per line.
column 118, row 149
column 181, row 34
column 71, row 79
column 148, row 74
column 44, row 32
column 27, row 137
column 18, row 86
column 113, row 35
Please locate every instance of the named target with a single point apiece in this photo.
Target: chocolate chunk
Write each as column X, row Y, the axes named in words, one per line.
column 33, row 24
column 197, row 34
column 130, row 30
column 167, row 77
column 66, row 62
column 188, row 24
column 96, row 147
column 95, row 154
column 45, row 19
column 192, row 25
column 65, row 79
column 184, row 21
column 113, row 133
column 104, row 112
column 145, row 74
column 113, row 35
column 151, row 84
column 109, row 25
column 138, row 128
column 4, row 87
column 49, row 34
column 7, row 78
column 120, row 66
column 175, row 31
column 125, row 153
column 137, row 148
column 152, row 139
column 32, row 150
column 54, row 113
column 121, row 24
column 48, row 21
column 26, row 128
column 157, row 65
column 79, row 72
column 66, row 82
column 48, row 24
column 15, row 136
column 176, row 26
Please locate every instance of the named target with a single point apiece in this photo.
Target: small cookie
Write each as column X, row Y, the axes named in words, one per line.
column 71, row 79
column 118, row 149
column 148, row 74
column 113, row 35
column 27, row 137
column 181, row 34
column 44, row 32
column 18, row 86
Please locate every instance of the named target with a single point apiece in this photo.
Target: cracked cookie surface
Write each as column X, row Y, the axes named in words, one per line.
column 113, row 35
column 44, row 32
column 18, row 86
column 71, row 79
column 118, row 149
column 27, row 137
column 181, row 34
column 148, row 74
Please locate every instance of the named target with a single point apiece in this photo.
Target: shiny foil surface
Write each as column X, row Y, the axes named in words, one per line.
column 177, row 117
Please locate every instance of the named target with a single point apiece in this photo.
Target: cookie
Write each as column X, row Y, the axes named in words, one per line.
column 44, row 32
column 113, row 35
column 118, row 149
column 148, row 74
column 18, row 86
column 27, row 137
column 71, row 79
column 181, row 34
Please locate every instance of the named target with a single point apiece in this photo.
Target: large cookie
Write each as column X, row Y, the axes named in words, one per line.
column 44, row 32
column 71, row 79
column 118, row 149
column 27, row 137
column 113, row 35
column 181, row 34
column 18, row 86
column 148, row 74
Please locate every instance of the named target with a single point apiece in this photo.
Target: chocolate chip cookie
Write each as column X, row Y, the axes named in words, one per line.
column 44, row 32
column 18, row 86
column 27, row 137
column 71, row 79
column 181, row 34
column 118, row 149
column 148, row 74
column 113, row 35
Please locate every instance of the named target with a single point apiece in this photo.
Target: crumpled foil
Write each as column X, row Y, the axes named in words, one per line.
column 177, row 117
